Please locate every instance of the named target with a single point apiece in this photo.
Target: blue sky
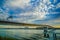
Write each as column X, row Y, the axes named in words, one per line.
column 31, row 11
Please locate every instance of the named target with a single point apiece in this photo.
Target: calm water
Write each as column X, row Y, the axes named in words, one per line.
column 18, row 33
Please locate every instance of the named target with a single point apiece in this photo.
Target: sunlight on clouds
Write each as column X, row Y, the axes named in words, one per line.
column 29, row 12
column 38, row 13
column 57, row 26
column 18, row 3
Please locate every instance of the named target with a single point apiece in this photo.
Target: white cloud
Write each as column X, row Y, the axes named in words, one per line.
column 55, row 1
column 18, row 3
column 58, row 5
column 38, row 12
column 3, row 15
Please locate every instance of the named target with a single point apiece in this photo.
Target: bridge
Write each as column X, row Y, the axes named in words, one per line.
column 50, row 35
column 24, row 24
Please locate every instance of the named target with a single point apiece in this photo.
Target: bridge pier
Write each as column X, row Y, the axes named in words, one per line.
column 49, row 34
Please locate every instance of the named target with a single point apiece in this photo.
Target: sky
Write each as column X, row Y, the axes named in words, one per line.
column 31, row 11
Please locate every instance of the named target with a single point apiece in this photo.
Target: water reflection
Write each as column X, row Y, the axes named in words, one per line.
column 22, row 34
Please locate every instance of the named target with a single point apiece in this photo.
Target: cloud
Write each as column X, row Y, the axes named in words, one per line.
column 18, row 3
column 58, row 5
column 3, row 15
column 26, row 11
column 22, row 5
